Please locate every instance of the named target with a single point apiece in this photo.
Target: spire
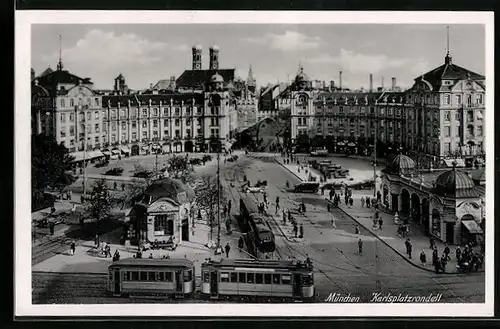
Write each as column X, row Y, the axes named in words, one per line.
column 60, row 64
column 447, row 58
column 250, row 78
column 301, row 68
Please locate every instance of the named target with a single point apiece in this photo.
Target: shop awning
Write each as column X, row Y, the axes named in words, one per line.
column 115, row 151
column 340, row 143
column 351, row 144
column 459, row 162
column 145, row 148
column 80, row 155
column 472, row 226
column 156, row 146
column 125, row 149
column 106, row 152
column 95, row 154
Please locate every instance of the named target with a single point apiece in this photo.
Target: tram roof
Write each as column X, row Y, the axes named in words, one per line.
column 155, row 262
column 261, row 263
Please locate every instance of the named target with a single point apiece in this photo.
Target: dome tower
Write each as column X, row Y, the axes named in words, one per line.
column 197, row 52
column 214, row 57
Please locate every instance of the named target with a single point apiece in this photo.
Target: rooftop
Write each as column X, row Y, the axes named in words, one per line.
column 196, row 79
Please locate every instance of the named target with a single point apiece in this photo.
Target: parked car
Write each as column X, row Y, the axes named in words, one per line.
column 114, row 172
column 196, row 161
column 143, row 174
column 307, row 187
column 319, row 153
column 206, row 157
column 232, row 158
column 102, row 164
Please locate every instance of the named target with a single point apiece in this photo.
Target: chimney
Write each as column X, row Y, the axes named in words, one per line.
column 371, row 82
column 393, row 83
column 382, row 84
column 332, row 85
column 151, row 86
column 340, row 80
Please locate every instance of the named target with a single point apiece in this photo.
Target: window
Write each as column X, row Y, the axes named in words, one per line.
column 307, row 280
column 447, row 147
column 72, row 130
column 89, row 129
column 63, row 132
column 62, row 102
column 134, row 136
column 151, row 276
column 124, row 125
column 96, row 128
column 188, row 275
column 447, row 131
column 96, row 101
column 479, row 99
column 71, row 102
column 206, row 276
column 224, row 277
column 168, row 277
column 113, row 114
column 177, row 122
column 267, row 278
column 480, row 130
column 71, row 117
column 459, row 99
column 276, row 279
column 250, row 277
column 155, row 123
column 63, row 117
column 469, row 99
column 447, row 99
column 285, row 279
column 143, row 276
column 104, row 115
column 134, row 276
column 113, row 126
column 234, row 277
column 122, row 114
column 165, row 132
column 155, row 112
column 113, row 138
column 163, row 225
column 144, row 112
column 134, row 124
column 104, row 127
column 242, row 277
column 89, row 116
column 446, row 115
column 144, row 124
column 259, row 278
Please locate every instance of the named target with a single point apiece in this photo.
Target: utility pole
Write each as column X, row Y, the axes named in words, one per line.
column 218, row 196
column 84, row 155
column 375, row 153
column 156, row 166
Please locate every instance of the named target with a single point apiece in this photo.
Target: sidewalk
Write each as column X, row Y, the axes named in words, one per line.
column 388, row 235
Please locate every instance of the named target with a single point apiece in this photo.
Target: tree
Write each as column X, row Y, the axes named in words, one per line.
column 51, row 163
column 179, row 168
column 208, row 193
column 99, row 204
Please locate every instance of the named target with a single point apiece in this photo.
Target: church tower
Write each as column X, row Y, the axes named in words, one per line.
column 251, row 83
column 197, row 50
column 214, row 57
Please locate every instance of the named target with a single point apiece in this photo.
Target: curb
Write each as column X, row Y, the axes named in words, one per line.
column 391, row 247
column 77, row 273
column 289, row 170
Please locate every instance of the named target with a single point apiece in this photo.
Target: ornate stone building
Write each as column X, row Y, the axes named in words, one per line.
column 448, row 204
column 164, row 212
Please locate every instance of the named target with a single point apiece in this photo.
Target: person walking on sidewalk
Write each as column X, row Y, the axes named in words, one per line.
column 229, row 207
column 458, row 254
column 360, row 247
column 295, row 229
column 332, row 193
column 435, row 257
column 240, row 243
column 446, row 252
column 108, row 251
column 423, row 258
column 408, row 247
column 277, row 205
column 228, row 249
column 362, row 202
column 356, row 229
column 431, row 243
column 116, row 256
column 301, row 231
column 380, row 222
column 72, row 248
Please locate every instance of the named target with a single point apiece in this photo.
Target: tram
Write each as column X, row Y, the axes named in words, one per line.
column 260, row 237
column 286, row 279
column 140, row 277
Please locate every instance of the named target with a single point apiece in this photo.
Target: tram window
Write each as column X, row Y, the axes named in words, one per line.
column 206, row 276
column 307, row 280
column 285, row 279
column 224, row 277
column 135, row 276
column 151, row 276
column 241, row 277
column 143, row 276
column 128, row 276
column 110, row 276
column 160, row 276
column 234, row 277
column 267, row 278
column 168, row 277
column 276, row 279
column 259, row 278
column 250, row 277
column 187, row 275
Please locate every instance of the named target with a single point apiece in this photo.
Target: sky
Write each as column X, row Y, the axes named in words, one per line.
column 146, row 53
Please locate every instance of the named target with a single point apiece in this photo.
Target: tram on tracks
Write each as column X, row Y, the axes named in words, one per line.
column 286, row 279
column 260, row 238
column 138, row 277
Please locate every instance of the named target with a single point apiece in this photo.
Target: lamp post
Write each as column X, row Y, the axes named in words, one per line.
column 375, row 154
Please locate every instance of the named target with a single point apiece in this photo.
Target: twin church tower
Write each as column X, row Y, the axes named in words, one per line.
column 197, row 57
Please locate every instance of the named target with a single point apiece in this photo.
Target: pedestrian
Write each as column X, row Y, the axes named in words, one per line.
column 108, row 251
column 367, row 202
column 72, row 248
column 265, row 197
column 435, row 257
column 277, row 204
column 96, row 241
column 284, row 216
column 360, row 247
column 295, row 229
column 446, row 251
column 458, row 253
column 323, row 190
column 115, row 185
column 123, row 186
column 431, row 243
column 301, row 230
column 332, row 193
column 228, row 249
column 423, row 257
column 380, row 222
column 408, row 247
column 362, row 202
column 150, row 255
column 289, row 215
column 379, row 196
column 240, row 243
column 328, row 207
column 351, row 201
column 229, row 207
column 116, row 256
column 356, row 229
column 303, row 208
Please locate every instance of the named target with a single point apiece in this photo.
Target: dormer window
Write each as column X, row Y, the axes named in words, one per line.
column 447, row 99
